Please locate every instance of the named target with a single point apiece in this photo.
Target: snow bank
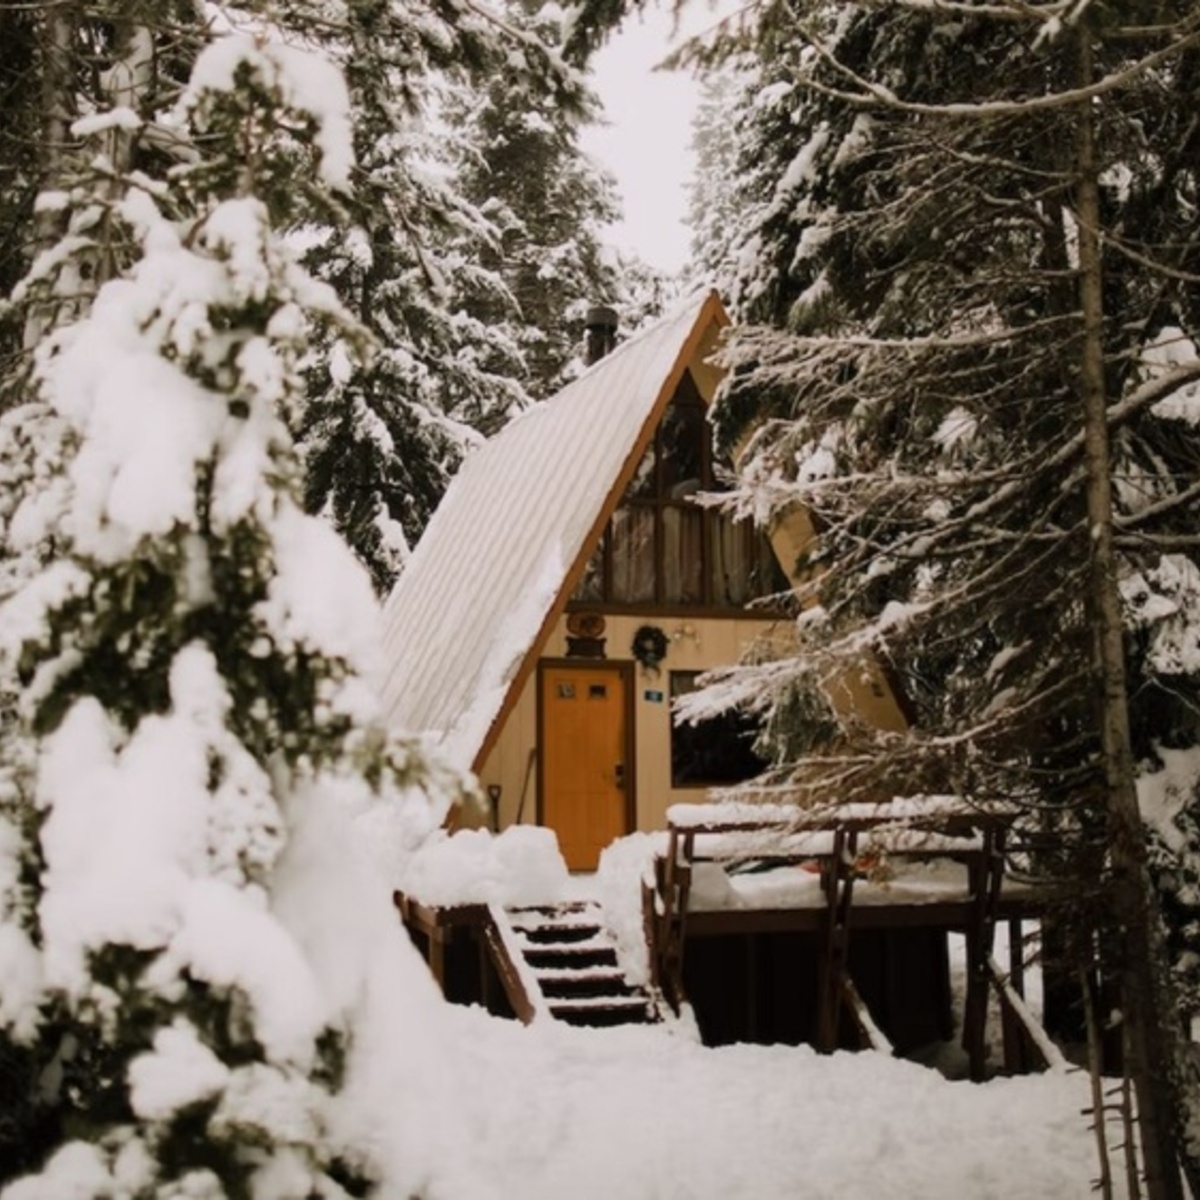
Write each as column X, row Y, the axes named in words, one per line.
column 623, row 866
column 404, row 1079
column 521, row 866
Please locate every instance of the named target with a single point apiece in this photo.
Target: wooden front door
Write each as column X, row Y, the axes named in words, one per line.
column 587, row 772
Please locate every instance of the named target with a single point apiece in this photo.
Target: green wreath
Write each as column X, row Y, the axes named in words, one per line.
column 649, row 646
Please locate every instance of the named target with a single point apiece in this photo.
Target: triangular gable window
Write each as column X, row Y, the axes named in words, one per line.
column 661, row 549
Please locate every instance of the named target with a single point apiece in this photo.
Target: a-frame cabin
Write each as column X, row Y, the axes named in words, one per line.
column 510, row 637
column 567, row 588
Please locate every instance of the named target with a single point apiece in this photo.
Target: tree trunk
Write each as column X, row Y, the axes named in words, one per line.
column 58, row 24
column 1144, row 981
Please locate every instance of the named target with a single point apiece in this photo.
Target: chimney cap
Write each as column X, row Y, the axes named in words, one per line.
column 601, row 332
column 602, row 316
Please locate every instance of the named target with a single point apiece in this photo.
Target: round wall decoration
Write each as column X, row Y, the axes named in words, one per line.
column 649, row 646
column 585, row 624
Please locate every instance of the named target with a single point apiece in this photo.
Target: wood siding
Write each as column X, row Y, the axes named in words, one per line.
column 713, row 642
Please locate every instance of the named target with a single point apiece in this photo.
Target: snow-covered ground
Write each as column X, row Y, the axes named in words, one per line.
column 645, row 1114
column 648, row 1113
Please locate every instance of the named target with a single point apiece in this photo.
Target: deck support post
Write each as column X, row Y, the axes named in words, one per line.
column 674, row 880
column 985, row 873
column 1016, row 1054
column 838, row 883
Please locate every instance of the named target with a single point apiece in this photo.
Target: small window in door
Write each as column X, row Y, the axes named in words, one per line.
column 597, row 691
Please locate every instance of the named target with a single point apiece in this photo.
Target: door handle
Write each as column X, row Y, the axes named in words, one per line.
column 619, row 773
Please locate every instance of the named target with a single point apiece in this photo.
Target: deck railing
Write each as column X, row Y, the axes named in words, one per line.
column 844, row 846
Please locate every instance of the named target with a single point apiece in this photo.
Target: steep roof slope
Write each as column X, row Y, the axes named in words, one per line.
column 478, row 596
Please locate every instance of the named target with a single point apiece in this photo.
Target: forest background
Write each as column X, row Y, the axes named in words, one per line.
column 256, row 295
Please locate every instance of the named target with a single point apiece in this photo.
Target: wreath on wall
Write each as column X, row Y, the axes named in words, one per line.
column 649, row 646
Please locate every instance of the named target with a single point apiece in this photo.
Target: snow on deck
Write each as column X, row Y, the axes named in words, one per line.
column 924, row 808
column 484, row 577
column 938, row 882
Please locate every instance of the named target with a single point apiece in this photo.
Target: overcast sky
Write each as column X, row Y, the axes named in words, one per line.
column 647, row 143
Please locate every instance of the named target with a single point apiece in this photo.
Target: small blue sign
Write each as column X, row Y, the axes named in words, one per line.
column 654, row 697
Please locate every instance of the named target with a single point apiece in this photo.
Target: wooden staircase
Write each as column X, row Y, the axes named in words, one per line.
column 561, row 962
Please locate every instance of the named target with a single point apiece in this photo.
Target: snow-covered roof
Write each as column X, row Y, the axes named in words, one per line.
column 476, row 599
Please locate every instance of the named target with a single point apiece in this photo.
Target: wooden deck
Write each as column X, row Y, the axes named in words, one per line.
column 862, row 869
column 830, row 928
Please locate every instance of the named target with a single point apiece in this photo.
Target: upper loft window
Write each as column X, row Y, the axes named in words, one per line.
column 661, row 549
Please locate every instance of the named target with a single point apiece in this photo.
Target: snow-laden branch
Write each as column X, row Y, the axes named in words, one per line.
column 1008, row 10
column 1159, row 509
column 872, row 94
column 1125, row 249
column 959, row 341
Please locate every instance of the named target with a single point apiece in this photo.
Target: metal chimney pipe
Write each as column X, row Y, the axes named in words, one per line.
column 601, row 325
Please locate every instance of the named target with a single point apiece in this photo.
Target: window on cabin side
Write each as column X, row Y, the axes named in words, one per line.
column 713, row 753
column 661, row 549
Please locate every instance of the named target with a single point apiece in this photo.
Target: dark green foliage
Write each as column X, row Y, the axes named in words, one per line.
column 19, row 163
column 523, row 165
column 381, row 442
column 28, row 1126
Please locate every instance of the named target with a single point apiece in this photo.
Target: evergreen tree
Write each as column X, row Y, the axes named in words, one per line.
column 930, row 321
column 522, row 165
column 19, row 137
column 722, row 201
column 191, row 662
column 382, row 441
column 63, row 63
column 433, row 267
column 644, row 293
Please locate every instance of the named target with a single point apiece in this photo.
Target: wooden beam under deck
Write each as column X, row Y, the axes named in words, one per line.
column 953, row 916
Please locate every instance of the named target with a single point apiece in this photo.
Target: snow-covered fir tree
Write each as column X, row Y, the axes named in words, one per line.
column 644, row 292
column 927, row 323
column 722, row 192
column 192, row 663
column 523, row 166
column 417, row 265
column 381, row 441
column 19, row 139
column 474, row 255
column 62, row 63
column 425, row 266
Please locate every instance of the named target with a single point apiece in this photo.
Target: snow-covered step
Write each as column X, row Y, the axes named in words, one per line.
column 575, row 912
column 596, row 940
column 592, row 1003
column 589, row 973
column 578, row 928
column 560, row 934
column 595, row 943
column 567, row 959
column 604, row 1010
column 611, row 986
